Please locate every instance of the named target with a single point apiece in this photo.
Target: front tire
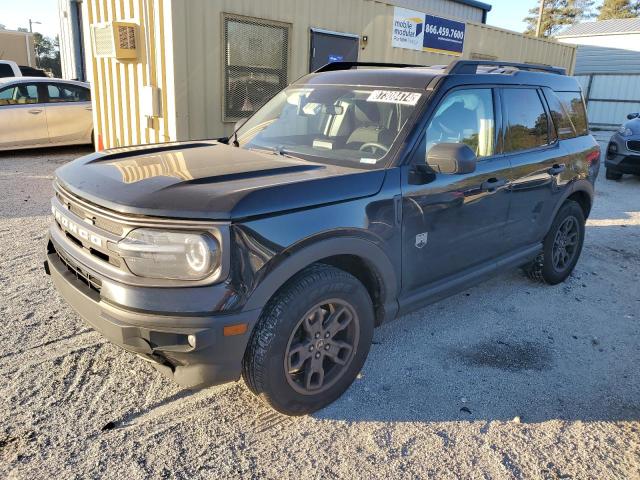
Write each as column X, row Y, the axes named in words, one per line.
column 561, row 247
column 311, row 341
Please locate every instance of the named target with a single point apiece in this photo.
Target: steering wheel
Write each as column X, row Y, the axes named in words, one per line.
column 374, row 146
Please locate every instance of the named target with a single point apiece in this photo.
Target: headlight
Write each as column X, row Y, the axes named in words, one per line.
column 625, row 132
column 170, row 255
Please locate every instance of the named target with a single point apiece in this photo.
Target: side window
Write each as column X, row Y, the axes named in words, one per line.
column 574, row 105
column 19, row 95
column 526, row 120
column 465, row 116
column 559, row 115
column 67, row 93
column 6, row 70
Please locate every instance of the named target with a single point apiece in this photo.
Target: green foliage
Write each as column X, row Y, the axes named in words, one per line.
column 557, row 15
column 611, row 9
column 48, row 53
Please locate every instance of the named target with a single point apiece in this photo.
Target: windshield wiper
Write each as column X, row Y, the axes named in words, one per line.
column 277, row 150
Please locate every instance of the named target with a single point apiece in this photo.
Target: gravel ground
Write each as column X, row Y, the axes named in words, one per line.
column 437, row 397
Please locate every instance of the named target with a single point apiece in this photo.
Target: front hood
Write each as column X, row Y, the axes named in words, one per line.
column 210, row 180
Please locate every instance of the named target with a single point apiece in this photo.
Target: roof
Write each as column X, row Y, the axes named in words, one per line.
column 422, row 77
column 7, row 80
column 14, row 32
column 602, row 27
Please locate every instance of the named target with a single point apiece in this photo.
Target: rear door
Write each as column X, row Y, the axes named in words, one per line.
column 69, row 114
column 538, row 164
column 22, row 117
column 328, row 47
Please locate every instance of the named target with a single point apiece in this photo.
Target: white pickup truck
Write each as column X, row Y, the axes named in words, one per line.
column 9, row 68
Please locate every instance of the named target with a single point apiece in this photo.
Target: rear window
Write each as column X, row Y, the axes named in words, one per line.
column 574, row 105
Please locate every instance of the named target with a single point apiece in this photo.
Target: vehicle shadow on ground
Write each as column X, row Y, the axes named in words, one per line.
column 69, row 153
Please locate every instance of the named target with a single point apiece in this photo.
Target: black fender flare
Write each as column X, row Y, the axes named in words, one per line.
column 581, row 185
column 299, row 259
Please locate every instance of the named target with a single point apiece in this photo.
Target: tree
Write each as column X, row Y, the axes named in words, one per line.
column 558, row 14
column 619, row 9
column 48, row 53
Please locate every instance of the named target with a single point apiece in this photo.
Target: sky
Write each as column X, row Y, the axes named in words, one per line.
column 16, row 13
column 509, row 13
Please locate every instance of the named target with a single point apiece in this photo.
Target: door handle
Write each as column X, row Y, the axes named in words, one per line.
column 557, row 169
column 90, row 109
column 35, row 112
column 492, row 184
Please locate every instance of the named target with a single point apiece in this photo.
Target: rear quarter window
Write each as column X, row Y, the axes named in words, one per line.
column 574, row 106
column 560, row 116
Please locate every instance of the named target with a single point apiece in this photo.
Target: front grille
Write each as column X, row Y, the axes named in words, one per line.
column 634, row 145
column 89, row 280
column 84, row 213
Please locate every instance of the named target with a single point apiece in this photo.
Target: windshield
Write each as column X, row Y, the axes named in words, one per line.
column 346, row 125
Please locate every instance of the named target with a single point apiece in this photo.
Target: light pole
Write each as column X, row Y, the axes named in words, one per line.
column 540, row 13
column 31, row 24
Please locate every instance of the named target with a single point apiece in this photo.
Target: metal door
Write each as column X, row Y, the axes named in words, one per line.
column 327, row 47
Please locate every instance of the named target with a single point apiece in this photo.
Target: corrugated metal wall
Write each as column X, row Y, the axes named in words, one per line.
column 18, row 47
column 187, row 56
column 446, row 8
column 199, row 54
column 610, row 98
column 592, row 59
column 117, row 85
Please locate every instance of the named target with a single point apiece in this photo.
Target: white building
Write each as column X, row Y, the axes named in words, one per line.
column 72, row 55
column 608, row 67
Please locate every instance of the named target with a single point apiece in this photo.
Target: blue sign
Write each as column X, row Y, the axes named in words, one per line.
column 443, row 36
column 335, row 58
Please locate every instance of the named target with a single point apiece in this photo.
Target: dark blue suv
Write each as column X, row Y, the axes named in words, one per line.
column 357, row 194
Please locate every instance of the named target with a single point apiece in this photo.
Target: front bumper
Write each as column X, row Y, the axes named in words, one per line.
column 191, row 349
column 622, row 160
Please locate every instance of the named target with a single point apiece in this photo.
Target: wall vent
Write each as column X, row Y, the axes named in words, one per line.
column 115, row 40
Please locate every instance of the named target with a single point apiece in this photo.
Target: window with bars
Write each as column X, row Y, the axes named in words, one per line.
column 256, row 56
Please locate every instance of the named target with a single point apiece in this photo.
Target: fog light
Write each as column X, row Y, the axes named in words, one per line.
column 192, row 340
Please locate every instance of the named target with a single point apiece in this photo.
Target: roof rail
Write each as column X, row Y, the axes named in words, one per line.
column 334, row 66
column 471, row 67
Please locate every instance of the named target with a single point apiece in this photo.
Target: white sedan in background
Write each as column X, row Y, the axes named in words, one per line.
column 44, row 112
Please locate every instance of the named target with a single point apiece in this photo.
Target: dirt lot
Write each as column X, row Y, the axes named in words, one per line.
column 437, row 396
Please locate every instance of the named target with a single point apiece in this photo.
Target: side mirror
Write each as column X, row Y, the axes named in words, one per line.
column 631, row 116
column 456, row 158
column 239, row 124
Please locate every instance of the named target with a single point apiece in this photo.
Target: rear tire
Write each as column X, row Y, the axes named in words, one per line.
column 612, row 174
column 311, row 341
column 561, row 247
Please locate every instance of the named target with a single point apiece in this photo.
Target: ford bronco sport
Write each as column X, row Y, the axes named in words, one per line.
column 357, row 194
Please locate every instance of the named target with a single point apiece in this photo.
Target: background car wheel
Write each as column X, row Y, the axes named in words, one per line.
column 612, row 175
column 561, row 247
column 310, row 342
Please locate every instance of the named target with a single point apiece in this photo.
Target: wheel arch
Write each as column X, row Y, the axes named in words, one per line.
column 361, row 258
column 582, row 192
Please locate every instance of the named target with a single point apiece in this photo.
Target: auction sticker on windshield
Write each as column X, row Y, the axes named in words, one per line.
column 394, row 96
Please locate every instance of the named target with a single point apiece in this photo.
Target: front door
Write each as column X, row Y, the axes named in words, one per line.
column 328, row 47
column 23, row 121
column 454, row 222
